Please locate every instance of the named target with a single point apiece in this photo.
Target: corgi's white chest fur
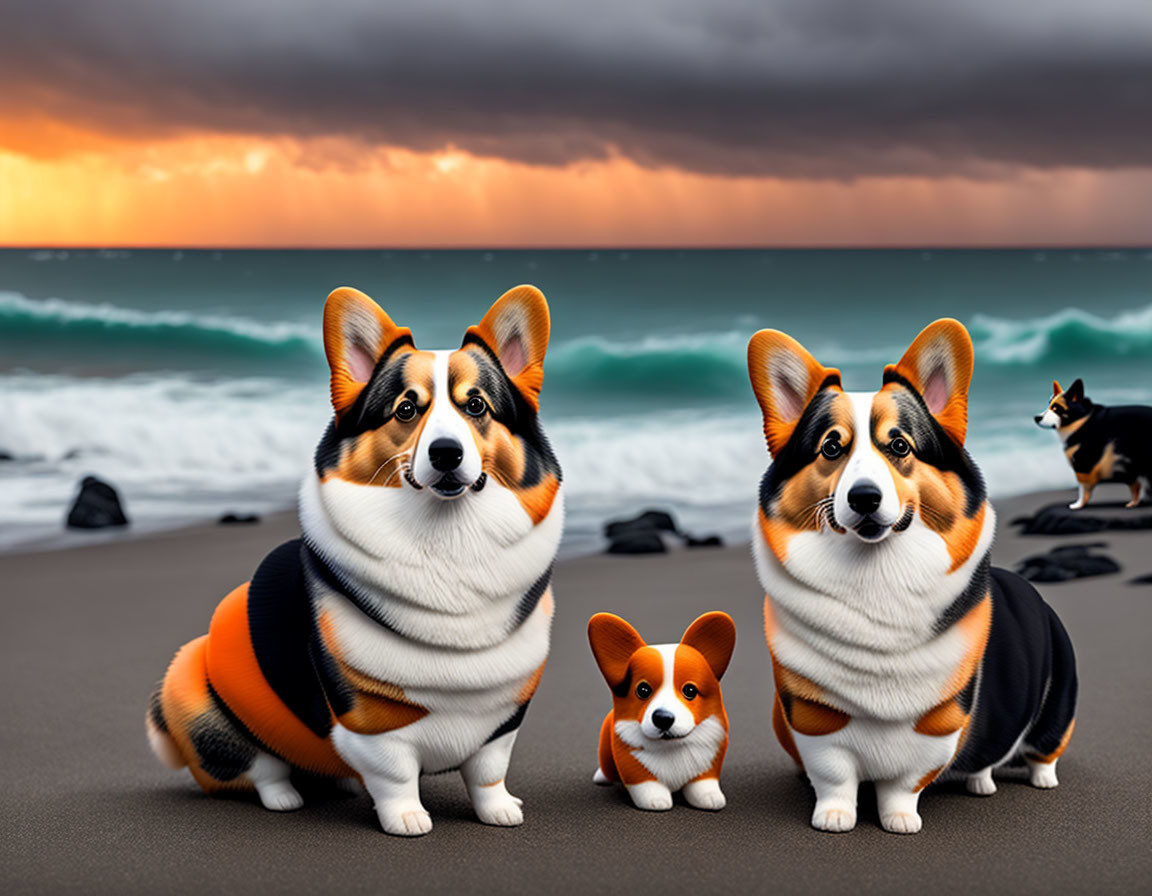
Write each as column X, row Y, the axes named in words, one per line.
column 675, row 762
column 858, row 619
column 448, row 578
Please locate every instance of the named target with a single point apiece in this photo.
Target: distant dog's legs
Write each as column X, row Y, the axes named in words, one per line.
column 483, row 774
column 1084, row 497
column 390, row 769
column 1137, row 494
column 897, row 801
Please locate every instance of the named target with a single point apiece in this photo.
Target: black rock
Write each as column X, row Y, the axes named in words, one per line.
column 4, row 455
column 1057, row 519
column 638, row 543
column 96, row 507
column 648, row 521
column 1062, row 564
column 230, row 519
column 642, row 534
column 1141, row 580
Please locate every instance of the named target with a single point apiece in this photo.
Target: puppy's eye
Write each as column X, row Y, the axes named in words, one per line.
column 476, row 406
column 831, row 448
column 900, row 447
column 689, row 691
column 405, row 411
column 643, row 690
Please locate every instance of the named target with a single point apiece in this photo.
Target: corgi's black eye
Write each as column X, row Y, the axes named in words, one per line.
column 643, row 690
column 900, row 447
column 476, row 406
column 405, row 411
column 831, row 448
column 689, row 691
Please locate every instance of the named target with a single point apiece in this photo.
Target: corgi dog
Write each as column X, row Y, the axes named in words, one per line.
column 408, row 628
column 667, row 729
column 1102, row 444
column 899, row 654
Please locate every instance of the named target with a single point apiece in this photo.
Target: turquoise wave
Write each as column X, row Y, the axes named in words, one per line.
column 58, row 336
column 55, row 335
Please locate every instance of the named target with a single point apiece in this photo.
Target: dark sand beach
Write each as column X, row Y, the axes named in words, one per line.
column 86, row 807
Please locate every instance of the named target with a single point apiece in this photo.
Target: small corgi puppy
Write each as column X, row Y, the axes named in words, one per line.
column 899, row 653
column 1102, row 444
column 667, row 729
column 406, row 631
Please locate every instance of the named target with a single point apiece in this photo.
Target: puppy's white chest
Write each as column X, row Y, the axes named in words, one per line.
column 675, row 762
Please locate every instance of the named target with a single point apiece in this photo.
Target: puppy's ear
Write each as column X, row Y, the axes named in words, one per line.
column 1076, row 391
column 516, row 331
column 357, row 334
column 1056, row 390
column 613, row 642
column 938, row 365
column 714, row 635
column 785, row 378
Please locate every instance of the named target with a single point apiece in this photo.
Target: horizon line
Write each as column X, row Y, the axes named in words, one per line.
column 781, row 247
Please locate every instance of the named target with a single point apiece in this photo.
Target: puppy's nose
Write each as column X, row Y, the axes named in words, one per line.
column 1038, row 417
column 864, row 497
column 663, row 719
column 445, row 454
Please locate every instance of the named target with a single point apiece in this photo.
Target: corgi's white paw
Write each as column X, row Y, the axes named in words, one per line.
column 836, row 819
column 1042, row 775
column 651, row 796
column 902, row 822
column 279, row 796
column 981, row 783
column 600, row 778
column 505, row 812
column 1075, row 505
column 705, row 794
column 404, row 819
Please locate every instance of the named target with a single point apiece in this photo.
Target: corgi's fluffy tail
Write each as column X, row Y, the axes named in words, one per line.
column 158, row 737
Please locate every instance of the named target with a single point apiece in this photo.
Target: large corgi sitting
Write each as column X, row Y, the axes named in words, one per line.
column 1103, row 444
column 408, row 629
column 667, row 729
column 899, row 654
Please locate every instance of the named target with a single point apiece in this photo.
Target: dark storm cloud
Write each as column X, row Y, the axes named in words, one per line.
column 791, row 87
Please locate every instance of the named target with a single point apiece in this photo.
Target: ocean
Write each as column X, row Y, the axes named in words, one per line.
column 195, row 381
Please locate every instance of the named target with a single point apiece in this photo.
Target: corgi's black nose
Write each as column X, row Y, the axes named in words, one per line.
column 445, row 454
column 663, row 719
column 864, row 497
column 1038, row 417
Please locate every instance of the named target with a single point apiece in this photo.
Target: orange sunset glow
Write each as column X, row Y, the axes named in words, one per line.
column 61, row 186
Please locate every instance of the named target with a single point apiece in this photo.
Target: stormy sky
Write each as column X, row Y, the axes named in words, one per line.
column 785, row 88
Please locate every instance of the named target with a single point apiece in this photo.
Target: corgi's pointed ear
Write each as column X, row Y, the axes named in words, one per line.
column 785, row 378
column 357, row 334
column 938, row 365
column 613, row 642
column 1056, row 390
column 516, row 331
column 1076, row 391
column 714, row 635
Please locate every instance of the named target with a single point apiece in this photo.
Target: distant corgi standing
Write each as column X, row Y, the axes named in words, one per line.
column 667, row 729
column 899, row 653
column 1103, row 444
column 407, row 630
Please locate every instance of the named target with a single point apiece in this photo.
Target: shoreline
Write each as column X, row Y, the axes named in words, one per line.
column 282, row 522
